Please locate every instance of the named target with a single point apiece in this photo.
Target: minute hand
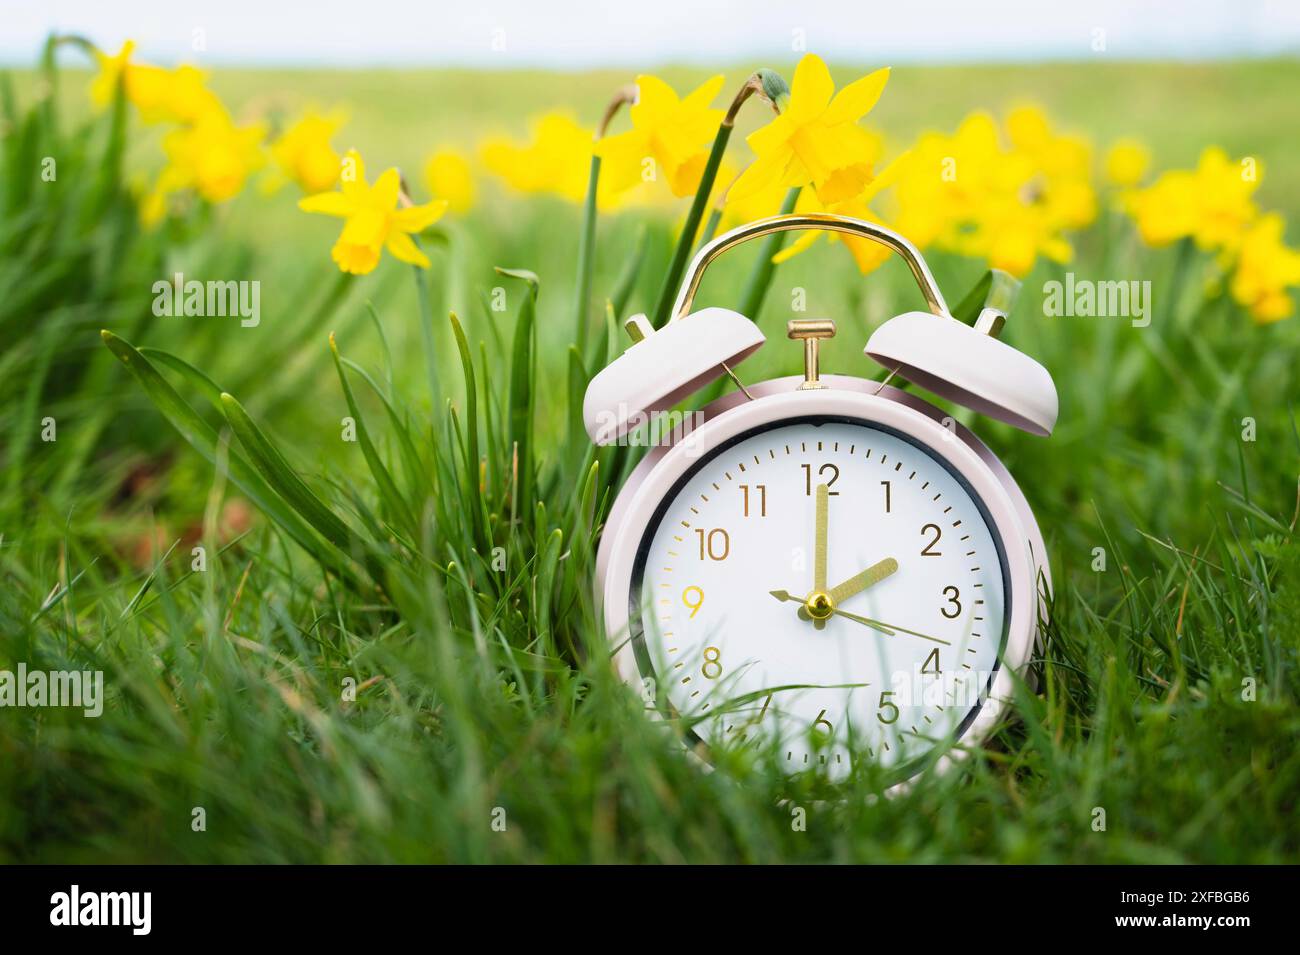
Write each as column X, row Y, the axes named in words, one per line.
column 879, row 624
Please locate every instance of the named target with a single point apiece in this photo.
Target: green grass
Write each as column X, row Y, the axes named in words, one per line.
column 477, row 687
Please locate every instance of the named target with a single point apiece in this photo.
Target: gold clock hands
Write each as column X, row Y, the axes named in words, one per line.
column 785, row 595
column 888, row 627
column 819, row 542
column 861, row 581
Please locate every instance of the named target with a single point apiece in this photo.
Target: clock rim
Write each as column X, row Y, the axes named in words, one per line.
column 772, row 410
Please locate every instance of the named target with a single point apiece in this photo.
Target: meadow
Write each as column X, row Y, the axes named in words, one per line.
column 348, row 679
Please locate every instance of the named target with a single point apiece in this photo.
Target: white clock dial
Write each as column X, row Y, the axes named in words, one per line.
column 914, row 580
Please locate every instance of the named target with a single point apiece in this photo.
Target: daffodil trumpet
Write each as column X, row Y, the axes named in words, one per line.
column 771, row 88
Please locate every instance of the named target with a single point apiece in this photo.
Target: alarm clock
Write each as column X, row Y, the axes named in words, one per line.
column 822, row 565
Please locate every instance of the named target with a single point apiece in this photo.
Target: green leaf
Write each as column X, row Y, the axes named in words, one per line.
column 388, row 492
column 275, row 470
column 473, row 487
column 203, row 438
column 521, row 394
column 995, row 289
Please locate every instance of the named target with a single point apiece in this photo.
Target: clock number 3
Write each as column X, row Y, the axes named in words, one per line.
column 954, row 599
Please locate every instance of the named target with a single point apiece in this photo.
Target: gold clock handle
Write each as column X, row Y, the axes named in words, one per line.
column 818, row 221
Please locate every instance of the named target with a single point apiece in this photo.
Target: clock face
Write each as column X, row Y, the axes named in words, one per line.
column 823, row 586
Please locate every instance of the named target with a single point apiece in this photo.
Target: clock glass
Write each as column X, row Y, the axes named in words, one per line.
column 826, row 586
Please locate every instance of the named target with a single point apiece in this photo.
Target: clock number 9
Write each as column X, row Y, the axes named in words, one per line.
column 693, row 604
column 717, row 543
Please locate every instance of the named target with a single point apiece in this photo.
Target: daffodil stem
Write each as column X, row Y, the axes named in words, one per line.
column 686, row 241
column 426, row 329
column 710, row 227
column 586, row 244
column 760, row 278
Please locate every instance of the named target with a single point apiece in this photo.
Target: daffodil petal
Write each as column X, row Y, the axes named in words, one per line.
column 856, row 100
column 419, row 218
column 794, row 248
column 812, row 89
column 327, row 203
column 384, row 192
column 403, row 248
column 704, row 94
column 353, row 174
column 761, row 174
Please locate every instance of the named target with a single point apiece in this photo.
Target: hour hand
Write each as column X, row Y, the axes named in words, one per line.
column 861, row 581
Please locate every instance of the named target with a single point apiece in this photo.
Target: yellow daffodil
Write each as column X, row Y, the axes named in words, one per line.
column 1127, row 162
column 213, row 157
column 757, row 206
column 556, row 160
column 373, row 221
column 816, row 141
column 1212, row 204
column 1005, row 201
column 179, row 96
column 868, row 255
column 1266, row 267
column 303, row 153
column 669, row 135
column 447, row 174
column 1061, row 180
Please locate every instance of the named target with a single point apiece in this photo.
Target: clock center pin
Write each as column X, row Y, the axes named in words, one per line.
column 819, row 605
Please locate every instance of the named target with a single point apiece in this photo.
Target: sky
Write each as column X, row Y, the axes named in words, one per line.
column 579, row 34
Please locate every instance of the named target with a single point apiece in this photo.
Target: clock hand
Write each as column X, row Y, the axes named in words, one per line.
column 785, row 595
column 819, row 543
column 824, row 603
column 892, row 629
column 861, row 581
column 818, row 605
column 887, row 627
